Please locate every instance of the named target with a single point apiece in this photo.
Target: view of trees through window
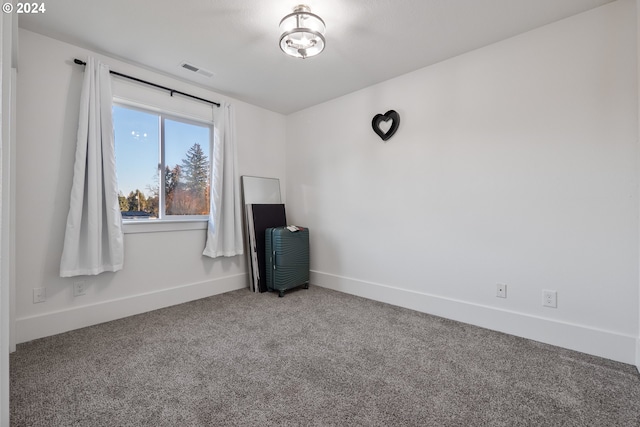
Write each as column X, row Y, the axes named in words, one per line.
column 142, row 140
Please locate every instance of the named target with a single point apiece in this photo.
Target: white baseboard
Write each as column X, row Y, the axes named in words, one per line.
column 638, row 351
column 597, row 342
column 44, row 325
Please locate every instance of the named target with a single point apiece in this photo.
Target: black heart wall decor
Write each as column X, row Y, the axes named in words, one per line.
column 379, row 118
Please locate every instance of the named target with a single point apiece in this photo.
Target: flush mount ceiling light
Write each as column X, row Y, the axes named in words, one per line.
column 302, row 33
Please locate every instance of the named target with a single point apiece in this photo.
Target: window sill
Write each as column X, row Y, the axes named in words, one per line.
column 154, row 226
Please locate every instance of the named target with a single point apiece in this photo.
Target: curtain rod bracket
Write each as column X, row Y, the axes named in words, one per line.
column 171, row 91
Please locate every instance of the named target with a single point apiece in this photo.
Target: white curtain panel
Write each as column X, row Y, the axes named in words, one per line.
column 93, row 241
column 224, row 235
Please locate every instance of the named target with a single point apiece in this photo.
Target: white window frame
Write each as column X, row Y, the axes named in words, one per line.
column 166, row 222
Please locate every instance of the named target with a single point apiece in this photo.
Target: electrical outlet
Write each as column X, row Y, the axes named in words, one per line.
column 550, row 299
column 39, row 295
column 501, row 290
column 79, row 288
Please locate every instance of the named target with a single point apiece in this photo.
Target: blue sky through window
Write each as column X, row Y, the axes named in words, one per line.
column 137, row 145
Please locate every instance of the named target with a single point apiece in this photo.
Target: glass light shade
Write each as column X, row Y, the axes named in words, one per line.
column 302, row 33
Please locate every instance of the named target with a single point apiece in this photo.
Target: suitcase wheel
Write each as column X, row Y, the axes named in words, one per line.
column 306, row 286
column 281, row 294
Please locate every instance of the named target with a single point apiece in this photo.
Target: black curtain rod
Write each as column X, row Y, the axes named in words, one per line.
column 171, row 91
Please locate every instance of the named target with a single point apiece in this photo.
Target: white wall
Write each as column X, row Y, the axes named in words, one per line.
column 516, row 163
column 161, row 269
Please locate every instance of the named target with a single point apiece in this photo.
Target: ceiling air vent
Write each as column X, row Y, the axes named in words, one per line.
column 197, row 70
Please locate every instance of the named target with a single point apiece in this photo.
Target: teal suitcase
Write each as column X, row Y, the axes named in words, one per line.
column 287, row 258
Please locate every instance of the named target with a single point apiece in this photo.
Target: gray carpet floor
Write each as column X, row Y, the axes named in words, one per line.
column 315, row 358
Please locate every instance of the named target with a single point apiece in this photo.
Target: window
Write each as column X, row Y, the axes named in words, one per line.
column 163, row 165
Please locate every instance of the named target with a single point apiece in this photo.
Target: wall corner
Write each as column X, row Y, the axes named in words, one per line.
column 638, row 142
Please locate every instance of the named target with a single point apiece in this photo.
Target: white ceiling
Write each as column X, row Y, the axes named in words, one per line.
column 368, row 41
